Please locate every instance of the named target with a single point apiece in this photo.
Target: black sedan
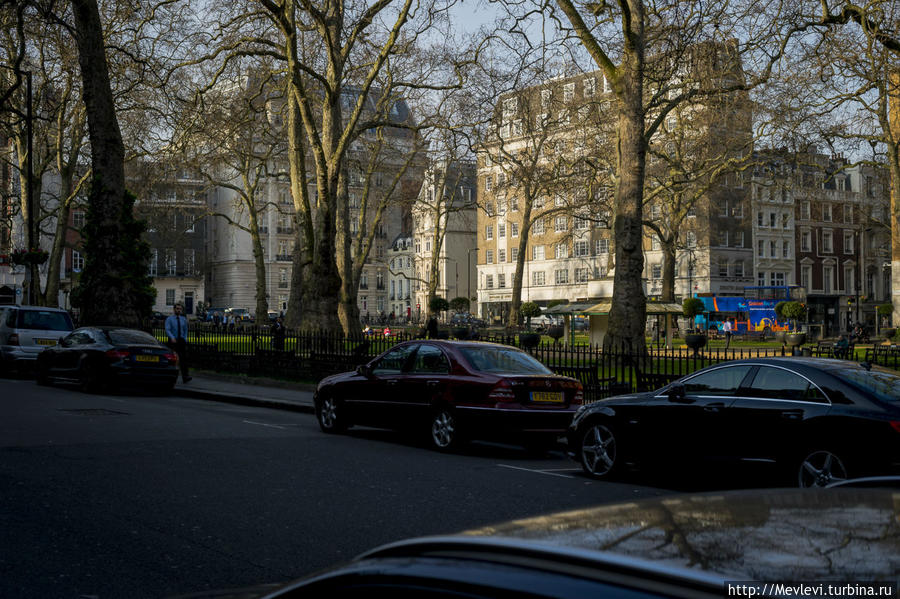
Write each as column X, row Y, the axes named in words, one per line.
column 453, row 391
column 815, row 421
column 97, row 357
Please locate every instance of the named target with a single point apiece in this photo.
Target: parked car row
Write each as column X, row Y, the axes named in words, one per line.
column 812, row 421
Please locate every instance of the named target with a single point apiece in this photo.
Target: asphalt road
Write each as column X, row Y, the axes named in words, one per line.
column 138, row 496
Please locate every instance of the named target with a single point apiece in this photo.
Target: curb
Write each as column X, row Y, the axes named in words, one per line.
column 244, row 400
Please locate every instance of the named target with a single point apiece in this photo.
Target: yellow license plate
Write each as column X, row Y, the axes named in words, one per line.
column 45, row 341
column 147, row 358
column 547, row 396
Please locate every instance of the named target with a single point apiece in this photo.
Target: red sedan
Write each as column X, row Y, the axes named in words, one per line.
column 454, row 391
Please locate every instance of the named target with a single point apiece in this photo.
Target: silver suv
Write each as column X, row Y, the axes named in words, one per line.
column 26, row 330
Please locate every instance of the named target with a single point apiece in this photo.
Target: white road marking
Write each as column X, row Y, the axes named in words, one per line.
column 281, row 426
column 535, row 471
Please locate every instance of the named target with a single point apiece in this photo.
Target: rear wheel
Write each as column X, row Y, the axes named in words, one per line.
column 330, row 417
column 599, row 450
column 445, row 433
column 821, row 468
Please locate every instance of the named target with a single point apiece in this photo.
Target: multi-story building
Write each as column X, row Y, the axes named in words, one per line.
column 401, row 272
column 172, row 201
column 445, row 213
column 545, row 170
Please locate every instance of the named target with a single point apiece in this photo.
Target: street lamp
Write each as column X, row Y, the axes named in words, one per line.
column 469, row 274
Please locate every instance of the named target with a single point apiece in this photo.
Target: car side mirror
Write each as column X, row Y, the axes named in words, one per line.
column 364, row 370
column 677, row 393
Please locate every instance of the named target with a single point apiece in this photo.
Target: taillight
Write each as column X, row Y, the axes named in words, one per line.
column 502, row 392
column 579, row 396
column 896, row 425
column 13, row 339
column 117, row 354
column 171, row 357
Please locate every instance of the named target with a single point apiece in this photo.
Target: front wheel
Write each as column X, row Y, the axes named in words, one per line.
column 599, row 451
column 821, row 468
column 329, row 415
column 445, row 433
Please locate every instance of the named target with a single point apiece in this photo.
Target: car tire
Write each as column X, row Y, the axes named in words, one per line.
column 41, row 374
column 600, row 450
column 88, row 378
column 820, row 468
column 329, row 414
column 444, row 431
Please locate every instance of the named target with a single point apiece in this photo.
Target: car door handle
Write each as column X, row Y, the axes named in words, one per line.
column 714, row 407
column 433, row 383
column 792, row 414
column 393, row 383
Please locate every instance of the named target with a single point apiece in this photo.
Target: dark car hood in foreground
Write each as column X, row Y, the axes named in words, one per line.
column 784, row 535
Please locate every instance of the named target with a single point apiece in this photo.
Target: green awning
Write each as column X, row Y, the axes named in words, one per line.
column 603, row 307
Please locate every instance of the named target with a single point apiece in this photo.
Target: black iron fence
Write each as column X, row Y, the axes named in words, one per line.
column 310, row 356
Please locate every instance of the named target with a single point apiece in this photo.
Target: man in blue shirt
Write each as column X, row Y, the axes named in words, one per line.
column 176, row 331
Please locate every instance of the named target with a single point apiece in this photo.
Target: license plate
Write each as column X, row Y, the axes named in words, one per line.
column 547, row 396
column 147, row 358
column 45, row 341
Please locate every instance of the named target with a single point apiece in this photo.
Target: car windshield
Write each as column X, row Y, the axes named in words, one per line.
column 130, row 336
column 881, row 382
column 503, row 360
column 44, row 320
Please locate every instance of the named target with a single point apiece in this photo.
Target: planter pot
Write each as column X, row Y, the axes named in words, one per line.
column 888, row 333
column 780, row 336
column 695, row 341
column 529, row 340
column 795, row 339
column 555, row 332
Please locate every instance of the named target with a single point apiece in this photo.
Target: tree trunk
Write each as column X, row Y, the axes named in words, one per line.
column 627, row 316
column 515, row 304
column 50, row 296
column 262, row 302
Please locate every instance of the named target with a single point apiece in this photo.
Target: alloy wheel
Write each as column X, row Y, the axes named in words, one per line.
column 329, row 417
column 443, row 430
column 598, row 450
column 820, row 469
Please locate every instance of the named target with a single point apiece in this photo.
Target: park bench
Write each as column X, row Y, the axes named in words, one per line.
column 594, row 386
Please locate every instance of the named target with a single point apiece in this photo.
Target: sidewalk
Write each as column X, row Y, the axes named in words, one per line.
column 251, row 391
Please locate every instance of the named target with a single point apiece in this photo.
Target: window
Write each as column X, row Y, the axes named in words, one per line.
column 501, row 256
column 761, row 248
column 773, row 245
column 489, row 281
column 395, row 360
column 78, row 219
column 739, row 268
column 488, row 183
column 546, row 96
column 154, row 262
column 721, row 381
column 656, row 271
column 759, row 220
column 848, row 242
column 826, row 213
column 827, row 242
column 777, row 383
column 170, row 262
column 562, row 224
column 170, row 297
column 785, row 219
column 489, row 231
column 805, row 238
column 590, row 87
column 501, row 281
column 828, row 279
column 562, row 250
column 489, row 256
column 188, row 259
column 848, row 214
column 582, row 248
column 655, row 245
column 691, row 239
column 786, row 249
column 806, row 276
column 188, row 223
column 501, row 230
column 513, row 229
column 849, row 279
column 582, row 275
column 602, row 246
column 562, row 277
column 430, row 360
column 537, row 252
column 761, row 279
column 509, row 107
column 537, row 227
column 581, row 224
column 537, row 278
column 513, row 254
column 568, row 92
column 77, row 261
column 777, row 278
column 804, row 210
column 723, row 268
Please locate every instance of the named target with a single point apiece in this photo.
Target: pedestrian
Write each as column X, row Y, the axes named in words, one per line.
column 387, row 332
column 842, row 348
column 432, row 327
column 278, row 332
column 726, row 327
column 176, row 331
